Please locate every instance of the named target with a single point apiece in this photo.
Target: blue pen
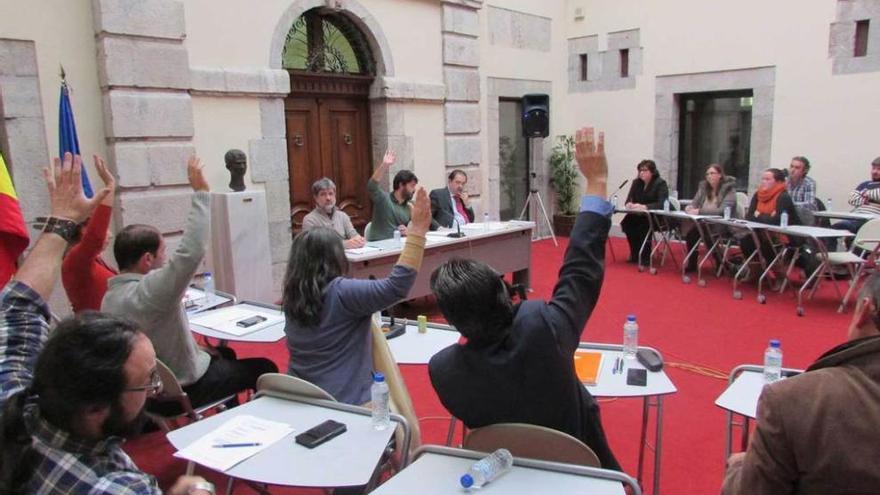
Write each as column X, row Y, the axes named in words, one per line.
column 229, row 445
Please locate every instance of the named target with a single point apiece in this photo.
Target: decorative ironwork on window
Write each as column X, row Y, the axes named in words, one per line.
column 323, row 40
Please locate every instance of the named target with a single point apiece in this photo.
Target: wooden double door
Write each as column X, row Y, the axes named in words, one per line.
column 329, row 136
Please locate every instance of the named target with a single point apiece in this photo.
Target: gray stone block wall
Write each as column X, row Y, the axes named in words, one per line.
column 135, row 62
column 842, row 37
column 519, row 29
column 603, row 72
column 145, row 18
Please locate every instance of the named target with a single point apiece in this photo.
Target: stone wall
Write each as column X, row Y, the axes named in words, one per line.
column 842, row 37
column 603, row 72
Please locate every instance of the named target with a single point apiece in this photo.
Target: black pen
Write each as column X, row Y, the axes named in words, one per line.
column 229, row 445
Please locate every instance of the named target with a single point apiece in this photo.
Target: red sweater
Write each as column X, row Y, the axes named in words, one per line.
column 83, row 272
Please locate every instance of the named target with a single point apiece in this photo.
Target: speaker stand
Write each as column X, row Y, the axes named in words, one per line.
column 535, row 155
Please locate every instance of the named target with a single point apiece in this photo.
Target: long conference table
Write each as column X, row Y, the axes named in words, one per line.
column 505, row 246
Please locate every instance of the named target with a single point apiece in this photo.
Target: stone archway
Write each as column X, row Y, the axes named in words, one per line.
column 269, row 154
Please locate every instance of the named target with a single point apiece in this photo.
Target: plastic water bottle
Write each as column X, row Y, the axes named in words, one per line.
column 486, row 221
column 727, row 213
column 828, row 204
column 487, row 469
column 773, row 362
column 614, row 201
column 666, row 204
column 379, row 398
column 630, row 337
column 210, row 289
column 397, row 237
column 783, row 219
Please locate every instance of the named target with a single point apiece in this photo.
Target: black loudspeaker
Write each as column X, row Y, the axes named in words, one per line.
column 536, row 115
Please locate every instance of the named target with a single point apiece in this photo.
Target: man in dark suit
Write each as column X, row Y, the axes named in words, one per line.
column 450, row 203
column 518, row 363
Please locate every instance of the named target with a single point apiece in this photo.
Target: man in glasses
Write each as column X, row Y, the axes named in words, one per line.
column 69, row 399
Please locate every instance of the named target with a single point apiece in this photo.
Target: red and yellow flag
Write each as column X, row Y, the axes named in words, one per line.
column 13, row 232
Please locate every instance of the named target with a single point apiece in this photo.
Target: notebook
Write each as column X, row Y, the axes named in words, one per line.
column 587, row 365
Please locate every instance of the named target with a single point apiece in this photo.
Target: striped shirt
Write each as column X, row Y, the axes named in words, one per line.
column 866, row 198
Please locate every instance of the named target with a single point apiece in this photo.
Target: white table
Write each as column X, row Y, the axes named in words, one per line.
column 347, row 460
column 505, row 246
column 437, row 470
column 272, row 333
column 845, row 215
column 745, row 384
column 202, row 304
column 698, row 223
column 417, row 348
column 614, row 385
column 815, row 236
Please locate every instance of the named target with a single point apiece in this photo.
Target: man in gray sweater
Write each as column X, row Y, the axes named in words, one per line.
column 149, row 291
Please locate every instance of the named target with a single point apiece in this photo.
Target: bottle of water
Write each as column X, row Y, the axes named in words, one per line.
column 828, row 204
column 783, row 219
column 487, row 469
column 666, row 204
column 208, row 286
column 397, row 240
column 727, row 213
column 486, row 220
column 614, row 201
column 379, row 398
column 630, row 337
column 773, row 362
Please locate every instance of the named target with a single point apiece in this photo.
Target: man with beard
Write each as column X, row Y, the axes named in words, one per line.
column 327, row 215
column 67, row 400
column 390, row 210
column 865, row 198
column 450, row 204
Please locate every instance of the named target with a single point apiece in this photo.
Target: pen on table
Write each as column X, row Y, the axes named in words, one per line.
column 230, row 445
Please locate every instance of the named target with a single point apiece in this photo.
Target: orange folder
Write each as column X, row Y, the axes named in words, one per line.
column 587, row 365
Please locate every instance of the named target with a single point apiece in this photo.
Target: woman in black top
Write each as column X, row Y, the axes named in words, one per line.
column 648, row 192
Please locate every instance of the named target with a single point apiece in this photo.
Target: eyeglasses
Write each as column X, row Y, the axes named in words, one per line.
column 153, row 388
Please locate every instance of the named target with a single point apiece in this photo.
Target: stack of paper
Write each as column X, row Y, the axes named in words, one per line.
column 238, row 439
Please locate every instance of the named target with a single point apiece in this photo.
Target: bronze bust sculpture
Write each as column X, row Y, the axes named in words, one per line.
column 236, row 163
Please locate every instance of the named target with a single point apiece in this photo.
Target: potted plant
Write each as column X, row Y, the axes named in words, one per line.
column 563, row 180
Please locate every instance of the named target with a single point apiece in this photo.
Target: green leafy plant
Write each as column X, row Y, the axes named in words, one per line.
column 564, row 175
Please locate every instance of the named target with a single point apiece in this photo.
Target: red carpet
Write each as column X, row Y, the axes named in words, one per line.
column 685, row 322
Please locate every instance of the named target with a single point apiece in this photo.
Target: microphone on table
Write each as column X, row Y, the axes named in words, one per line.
column 456, row 234
column 619, row 188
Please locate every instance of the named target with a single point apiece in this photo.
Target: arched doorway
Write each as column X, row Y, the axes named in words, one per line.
column 327, row 114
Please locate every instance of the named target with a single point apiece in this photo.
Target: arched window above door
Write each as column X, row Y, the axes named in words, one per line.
column 323, row 40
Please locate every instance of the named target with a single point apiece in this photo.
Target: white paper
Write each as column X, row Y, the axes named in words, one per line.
column 226, row 320
column 240, row 429
column 363, row 250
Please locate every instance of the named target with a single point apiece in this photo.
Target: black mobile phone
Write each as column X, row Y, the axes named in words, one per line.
column 249, row 322
column 637, row 377
column 317, row 435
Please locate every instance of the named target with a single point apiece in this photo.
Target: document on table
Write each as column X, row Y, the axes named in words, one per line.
column 249, row 433
column 227, row 320
column 363, row 250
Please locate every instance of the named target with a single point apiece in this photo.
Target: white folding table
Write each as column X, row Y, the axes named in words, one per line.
column 437, row 470
column 417, row 348
column 272, row 333
column 347, row 460
column 745, row 384
column 614, row 385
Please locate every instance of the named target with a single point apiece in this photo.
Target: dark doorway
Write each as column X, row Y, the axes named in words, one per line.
column 513, row 160
column 713, row 128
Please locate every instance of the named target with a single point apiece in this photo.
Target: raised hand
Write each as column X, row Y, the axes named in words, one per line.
column 107, row 178
column 194, row 170
column 592, row 161
column 420, row 220
column 387, row 161
column 389, row 158
column 64, row 182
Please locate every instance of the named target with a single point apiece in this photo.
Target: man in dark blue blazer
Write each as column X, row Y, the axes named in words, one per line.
column 451, row 203
column 518, row 363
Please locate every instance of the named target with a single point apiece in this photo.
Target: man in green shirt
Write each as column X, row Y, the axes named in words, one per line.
column 391, row 211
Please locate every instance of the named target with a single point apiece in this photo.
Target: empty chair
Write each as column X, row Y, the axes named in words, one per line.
column 532, row 441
